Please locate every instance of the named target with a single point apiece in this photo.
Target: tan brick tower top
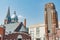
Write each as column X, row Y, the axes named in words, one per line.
column 50, row 15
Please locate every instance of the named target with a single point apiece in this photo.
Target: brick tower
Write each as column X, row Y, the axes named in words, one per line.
column 51, row 20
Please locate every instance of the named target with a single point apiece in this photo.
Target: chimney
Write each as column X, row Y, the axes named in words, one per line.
column 25, row 22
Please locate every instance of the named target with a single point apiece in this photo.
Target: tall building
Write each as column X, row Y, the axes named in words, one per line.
column 51, row 21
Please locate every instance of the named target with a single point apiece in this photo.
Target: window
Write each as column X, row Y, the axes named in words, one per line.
column 38, row 39
column 19, row 37
column 44, row 38
column 37, row 31
column 48, row 31
column 32, row 34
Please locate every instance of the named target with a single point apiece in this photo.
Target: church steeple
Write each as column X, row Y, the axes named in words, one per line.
column 8, row 12
column 8, row 17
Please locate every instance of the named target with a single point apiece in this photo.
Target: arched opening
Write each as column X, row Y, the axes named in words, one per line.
column 19, row 37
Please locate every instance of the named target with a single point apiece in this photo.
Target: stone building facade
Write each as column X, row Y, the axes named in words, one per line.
column 37, row 31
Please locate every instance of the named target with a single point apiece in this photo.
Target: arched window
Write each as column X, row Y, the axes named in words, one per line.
column 19, row 37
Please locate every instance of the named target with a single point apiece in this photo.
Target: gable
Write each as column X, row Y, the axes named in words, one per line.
column 23, row 29
column 20, row 28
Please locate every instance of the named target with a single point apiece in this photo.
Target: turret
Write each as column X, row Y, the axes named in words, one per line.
column 15, row 17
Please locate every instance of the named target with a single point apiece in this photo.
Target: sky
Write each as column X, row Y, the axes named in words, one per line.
column 32, row 10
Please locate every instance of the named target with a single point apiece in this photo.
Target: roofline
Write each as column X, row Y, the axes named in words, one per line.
column 37, row 25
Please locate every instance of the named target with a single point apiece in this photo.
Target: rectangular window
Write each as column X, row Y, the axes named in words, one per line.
column 48, row 31
column 44, row 38
column 37, row 31
column 38, row 39
column 32, row 34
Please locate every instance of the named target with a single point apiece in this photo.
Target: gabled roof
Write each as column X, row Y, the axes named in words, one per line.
column 20, row 28
column 23, row 29
column 15, row 27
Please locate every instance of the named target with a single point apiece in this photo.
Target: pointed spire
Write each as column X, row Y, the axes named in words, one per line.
column 8, row 17
column 8, row 13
